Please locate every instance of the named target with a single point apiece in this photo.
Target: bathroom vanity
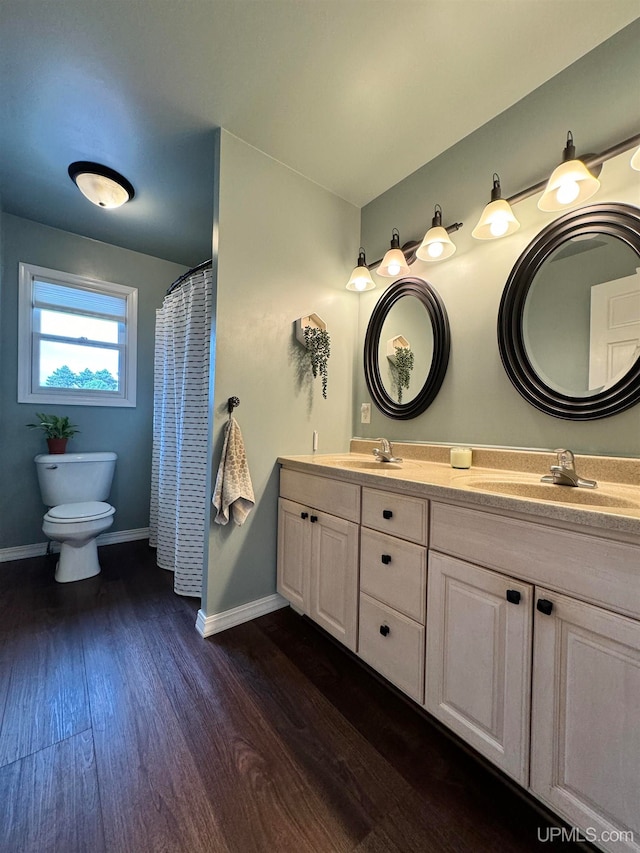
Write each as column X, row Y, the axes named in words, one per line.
column 514, row 620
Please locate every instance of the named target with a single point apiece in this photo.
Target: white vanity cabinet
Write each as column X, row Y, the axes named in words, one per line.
column 393, row 576
column 317, row 563
column 585, row 757
column 584, row 692
column 478, row 663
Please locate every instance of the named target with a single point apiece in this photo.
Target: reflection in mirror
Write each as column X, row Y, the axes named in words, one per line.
column 407, row 325
column 408, row 329
column 581, row 319
column 569, row 319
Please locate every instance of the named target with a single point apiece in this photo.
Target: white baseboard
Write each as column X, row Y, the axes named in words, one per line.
column 208, row 625
column 38, row 549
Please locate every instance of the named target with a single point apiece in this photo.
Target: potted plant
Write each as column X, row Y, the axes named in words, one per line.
column 403, row 366
column 318, row 344
column 57, row 430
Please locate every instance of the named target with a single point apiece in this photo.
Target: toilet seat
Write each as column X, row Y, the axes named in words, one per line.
column 79, row 512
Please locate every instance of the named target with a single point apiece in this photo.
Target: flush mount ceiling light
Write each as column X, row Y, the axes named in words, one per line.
column 437, row 245
column 100, row 184
column 497, row 220
column 394, row 262
column 361, row 277
column 570, row 183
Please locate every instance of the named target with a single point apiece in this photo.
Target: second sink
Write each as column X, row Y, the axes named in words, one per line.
column 549, row 492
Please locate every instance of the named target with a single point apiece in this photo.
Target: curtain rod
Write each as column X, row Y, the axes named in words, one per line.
column 185, row 275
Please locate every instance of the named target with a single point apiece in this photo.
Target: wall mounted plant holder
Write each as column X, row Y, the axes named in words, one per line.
column 399, row 342
column 312, row 333
column 314, row 321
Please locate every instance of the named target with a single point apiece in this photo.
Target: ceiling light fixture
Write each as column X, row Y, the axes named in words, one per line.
column 394, row 262
column 100, row 184
column 497, row 220
column 436, row 245
column 570, row 183
column 361, row 277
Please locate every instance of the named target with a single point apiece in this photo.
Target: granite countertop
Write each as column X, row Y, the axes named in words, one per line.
column 611, row 510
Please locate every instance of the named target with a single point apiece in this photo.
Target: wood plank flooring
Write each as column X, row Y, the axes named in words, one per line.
column 123, row 731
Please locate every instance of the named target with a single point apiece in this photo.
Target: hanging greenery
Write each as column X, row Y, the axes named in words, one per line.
column 403, row 368
column 318, row 344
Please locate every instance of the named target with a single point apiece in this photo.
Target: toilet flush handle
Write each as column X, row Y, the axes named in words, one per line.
column 51, row 467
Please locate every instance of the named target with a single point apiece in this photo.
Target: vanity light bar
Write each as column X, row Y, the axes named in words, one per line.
column 590, row 161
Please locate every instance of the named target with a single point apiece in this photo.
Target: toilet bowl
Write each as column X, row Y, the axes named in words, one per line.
column 76, row 526
column 74, row 486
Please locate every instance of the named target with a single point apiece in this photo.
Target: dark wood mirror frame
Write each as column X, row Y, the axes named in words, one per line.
column 441, row 345
column 614, row 219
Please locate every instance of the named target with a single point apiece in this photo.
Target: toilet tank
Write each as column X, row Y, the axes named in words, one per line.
column 74, row 477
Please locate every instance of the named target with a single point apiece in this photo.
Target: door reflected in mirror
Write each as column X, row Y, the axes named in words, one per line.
column 581, row 318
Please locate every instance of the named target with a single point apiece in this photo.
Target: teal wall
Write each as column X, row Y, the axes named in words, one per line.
column 126, row 431
column 598, row 99
column 286, row 248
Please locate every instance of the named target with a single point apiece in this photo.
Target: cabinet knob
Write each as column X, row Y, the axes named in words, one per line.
column 544, row 606
column 384, row 630
column 304, row 515
column 387, row 513
column 313, row 519
column 513, row 596
column 386, row 559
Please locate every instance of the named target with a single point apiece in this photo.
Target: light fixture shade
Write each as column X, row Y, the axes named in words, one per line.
column 570, row 183
column 498, row 219
column 394, row 263
column 103, row 187
column 436, row 245
column 360, row 279
column 635, row 161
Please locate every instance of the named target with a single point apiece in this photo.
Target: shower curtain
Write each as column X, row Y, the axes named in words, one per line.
column 179, row 499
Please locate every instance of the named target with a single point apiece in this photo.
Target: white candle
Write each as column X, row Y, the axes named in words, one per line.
column 461, row 457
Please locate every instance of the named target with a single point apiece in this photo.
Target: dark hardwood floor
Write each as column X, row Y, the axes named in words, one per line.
column 122, row 730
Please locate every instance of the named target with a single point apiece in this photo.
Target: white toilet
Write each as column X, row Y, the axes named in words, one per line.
column 74, row 486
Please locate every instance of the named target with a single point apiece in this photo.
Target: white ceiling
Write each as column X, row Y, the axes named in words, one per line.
column 353, row 94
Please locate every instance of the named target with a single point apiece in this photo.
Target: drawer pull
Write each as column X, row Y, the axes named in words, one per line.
column 313, row 519
column 304, row 515
column 513, row 596
column 386, row 559
column 387, row 513
column 384, row 630
column 544, row 606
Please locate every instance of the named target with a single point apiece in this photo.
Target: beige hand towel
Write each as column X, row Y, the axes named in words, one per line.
column 233, row 493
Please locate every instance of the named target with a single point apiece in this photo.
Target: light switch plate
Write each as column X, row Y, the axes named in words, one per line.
column 365, row 413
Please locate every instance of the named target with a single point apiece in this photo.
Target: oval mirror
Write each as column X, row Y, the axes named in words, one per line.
column 569, row 319
column 406, row 348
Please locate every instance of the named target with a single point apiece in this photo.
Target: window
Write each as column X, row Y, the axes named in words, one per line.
column 77, row 340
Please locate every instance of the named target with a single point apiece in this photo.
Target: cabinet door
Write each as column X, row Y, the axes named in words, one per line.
column 478, row 659
column 294, row 553
column 585, row 759
column 334, row 576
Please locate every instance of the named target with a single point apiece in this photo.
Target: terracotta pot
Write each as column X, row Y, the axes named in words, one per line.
column 57, row 445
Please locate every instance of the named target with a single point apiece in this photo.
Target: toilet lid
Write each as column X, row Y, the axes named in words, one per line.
column 85, row 511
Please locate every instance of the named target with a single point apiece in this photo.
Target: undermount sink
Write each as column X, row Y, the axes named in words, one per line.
column 550, row 492
column 368, row 464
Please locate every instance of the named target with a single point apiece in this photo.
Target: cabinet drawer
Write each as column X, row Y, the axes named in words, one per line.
column 334, row 496
column 594, row 569
column 394, row 572
column 398, row 515
column 398, row 655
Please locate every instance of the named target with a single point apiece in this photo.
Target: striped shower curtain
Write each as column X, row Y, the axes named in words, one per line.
column 179, row 499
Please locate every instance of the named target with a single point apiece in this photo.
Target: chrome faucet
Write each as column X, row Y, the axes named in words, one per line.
column 385, row 452
column 565, row 474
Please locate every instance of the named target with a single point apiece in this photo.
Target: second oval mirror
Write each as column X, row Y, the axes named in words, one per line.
column 406, row 348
